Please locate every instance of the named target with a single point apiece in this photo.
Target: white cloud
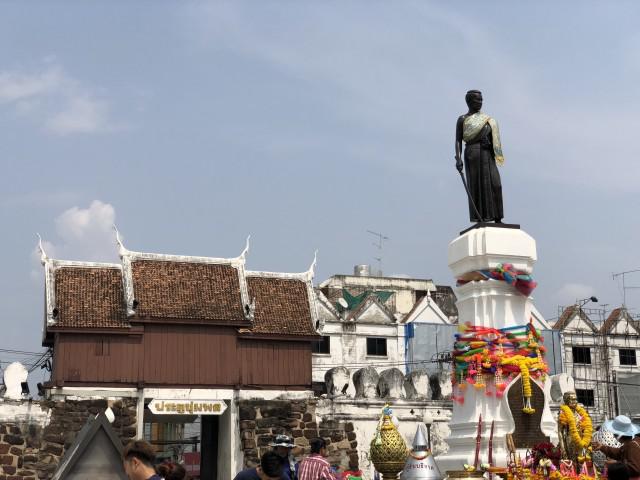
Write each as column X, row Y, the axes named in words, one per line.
column 409, row 83
column 15, row 86
column 84, row 234
column 82, row 115
column 571, row 292
column 56, row 100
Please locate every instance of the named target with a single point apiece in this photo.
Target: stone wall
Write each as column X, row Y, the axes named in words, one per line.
column 31, row 449
column 262, row 420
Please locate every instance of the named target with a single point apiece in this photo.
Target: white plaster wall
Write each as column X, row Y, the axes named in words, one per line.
column 405, row 299
column 27, row 412
column 349, row 348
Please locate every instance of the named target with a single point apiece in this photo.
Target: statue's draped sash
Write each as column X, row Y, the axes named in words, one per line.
column 472, row 126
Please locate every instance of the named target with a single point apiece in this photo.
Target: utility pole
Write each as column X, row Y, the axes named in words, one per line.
column 379, row 244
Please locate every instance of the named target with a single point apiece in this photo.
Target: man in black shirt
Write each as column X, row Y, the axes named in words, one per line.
column 270, row 469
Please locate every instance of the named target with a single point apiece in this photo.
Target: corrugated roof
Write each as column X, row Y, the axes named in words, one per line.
column 184, row 290
column 90, row 297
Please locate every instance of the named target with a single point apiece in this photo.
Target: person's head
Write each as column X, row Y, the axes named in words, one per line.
column 282, row 445
column 617, row 471
column 474, row 100
column 138, row 458
column 570, row 399
column 171, row 471
column 319, row 446
column 270, row 466
column 623, row 438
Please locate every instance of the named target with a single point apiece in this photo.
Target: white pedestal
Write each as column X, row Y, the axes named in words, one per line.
column 494, row 304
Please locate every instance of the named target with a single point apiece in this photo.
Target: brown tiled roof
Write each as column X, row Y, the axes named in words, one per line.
column 186, row 290
column 567, row 316
column 282, row 306
column 90, row 297
column 613, row 319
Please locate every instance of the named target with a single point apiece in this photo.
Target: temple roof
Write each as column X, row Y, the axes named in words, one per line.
column 165, row 289
column 168, row 288
column 89, row 296
column 283, row 304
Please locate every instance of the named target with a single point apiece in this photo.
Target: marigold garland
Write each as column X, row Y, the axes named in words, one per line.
column 483, row 353
column 567, row 419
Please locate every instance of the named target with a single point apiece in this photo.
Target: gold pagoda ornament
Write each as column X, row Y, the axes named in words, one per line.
column 388, row 452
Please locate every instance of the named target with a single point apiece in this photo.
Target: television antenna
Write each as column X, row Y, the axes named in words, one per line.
column 624, row 285
column 379, row 244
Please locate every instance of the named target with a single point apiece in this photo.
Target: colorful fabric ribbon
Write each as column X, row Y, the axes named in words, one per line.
column 505, row 272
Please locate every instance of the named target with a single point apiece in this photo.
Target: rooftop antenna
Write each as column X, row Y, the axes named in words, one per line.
column 379, row 244
column 624, row 285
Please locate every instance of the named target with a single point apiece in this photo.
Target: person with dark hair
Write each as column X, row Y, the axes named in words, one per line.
column 138, row 459
column 270, row 469
column 617, row 471
column 171, row 471
column 316, row 466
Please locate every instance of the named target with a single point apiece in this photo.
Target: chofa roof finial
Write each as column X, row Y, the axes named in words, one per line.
column 244, row 253
column 312, row 268
column 43, row 255
column 121, row 248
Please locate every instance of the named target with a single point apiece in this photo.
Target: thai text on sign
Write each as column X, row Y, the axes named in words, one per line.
column 187, row 407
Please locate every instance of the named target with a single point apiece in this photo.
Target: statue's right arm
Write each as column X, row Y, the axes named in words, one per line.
column 459, row 143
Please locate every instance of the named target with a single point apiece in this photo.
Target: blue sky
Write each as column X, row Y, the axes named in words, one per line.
column 193, row 124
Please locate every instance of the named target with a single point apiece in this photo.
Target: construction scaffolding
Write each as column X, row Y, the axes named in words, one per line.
column 604, row 385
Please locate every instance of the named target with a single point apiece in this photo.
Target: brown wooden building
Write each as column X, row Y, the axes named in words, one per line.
column 168, row 326
column 164, row 320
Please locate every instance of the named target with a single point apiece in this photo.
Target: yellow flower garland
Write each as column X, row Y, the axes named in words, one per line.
column 525, row 364
column 567, row 418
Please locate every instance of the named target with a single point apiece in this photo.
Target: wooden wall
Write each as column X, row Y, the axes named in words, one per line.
column 180, row 355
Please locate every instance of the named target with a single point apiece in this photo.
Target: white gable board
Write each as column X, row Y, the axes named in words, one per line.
column 427, row 311
column 372, row 313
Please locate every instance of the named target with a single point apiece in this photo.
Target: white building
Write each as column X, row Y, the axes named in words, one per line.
column 603, row 361
column 362, row 320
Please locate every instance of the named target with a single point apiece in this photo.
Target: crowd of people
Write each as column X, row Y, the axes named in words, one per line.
column 276, row 464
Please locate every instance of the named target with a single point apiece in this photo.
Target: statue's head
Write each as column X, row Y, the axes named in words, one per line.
column 474, row 100
column 570, row 399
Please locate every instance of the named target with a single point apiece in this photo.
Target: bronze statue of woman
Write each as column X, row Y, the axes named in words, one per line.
column 482, row 154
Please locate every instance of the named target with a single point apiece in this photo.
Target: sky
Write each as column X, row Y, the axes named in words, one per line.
column 191, row 125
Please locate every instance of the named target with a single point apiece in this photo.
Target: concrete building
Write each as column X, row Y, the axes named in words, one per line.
column 602, row 359
column 362, row 319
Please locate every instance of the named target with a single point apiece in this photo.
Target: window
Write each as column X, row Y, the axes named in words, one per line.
column 627, row 356
column 322, row 346
column 377, row 347
column 585, row 397
column 581, row 355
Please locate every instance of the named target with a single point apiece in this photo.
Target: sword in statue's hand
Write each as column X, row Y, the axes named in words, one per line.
column 464, row 182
